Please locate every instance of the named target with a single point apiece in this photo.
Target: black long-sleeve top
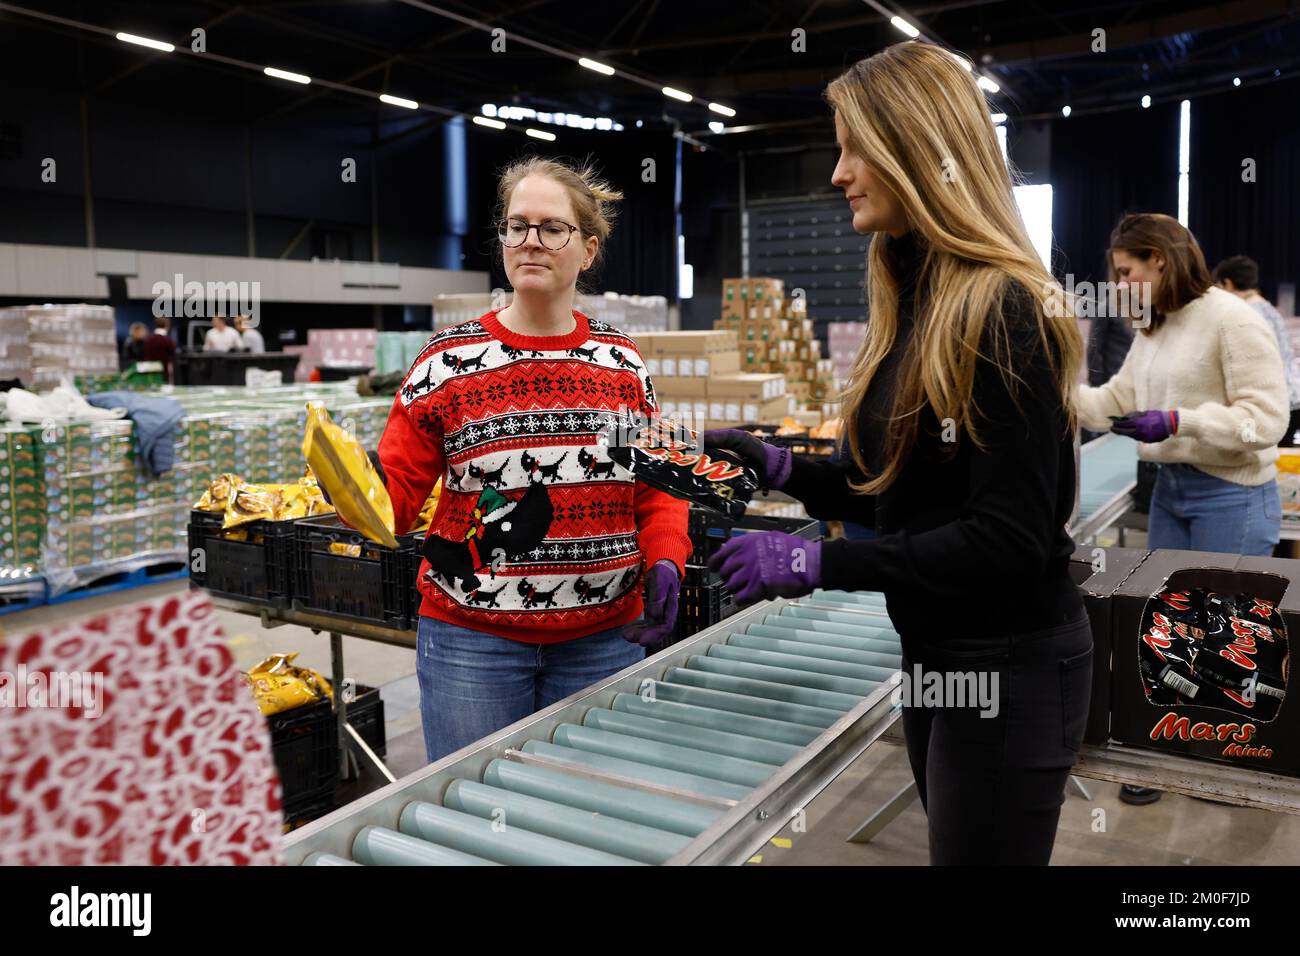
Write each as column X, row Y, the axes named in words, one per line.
column 969, row 545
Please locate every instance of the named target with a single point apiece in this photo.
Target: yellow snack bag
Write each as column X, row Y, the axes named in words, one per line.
column 218, row 493
column 252, row 503
column 278, row 684
column 425, row 517
column 341, row 467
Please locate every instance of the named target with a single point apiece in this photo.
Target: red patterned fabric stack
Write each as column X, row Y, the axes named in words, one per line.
column 539, row 536
column 158, row 754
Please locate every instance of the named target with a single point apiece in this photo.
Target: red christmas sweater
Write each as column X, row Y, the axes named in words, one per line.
column 538, row 535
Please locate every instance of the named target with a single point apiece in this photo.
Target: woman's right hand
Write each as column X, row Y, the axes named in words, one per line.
column 771, row 463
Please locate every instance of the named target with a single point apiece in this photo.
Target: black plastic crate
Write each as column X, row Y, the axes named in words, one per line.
column 709, row 530
column 305, row 747
column 373, row 585
column 306, row 807
column 253, row 561
column 703, row 602
column 366, row 715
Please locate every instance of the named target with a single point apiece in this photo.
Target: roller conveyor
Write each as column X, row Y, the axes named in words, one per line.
column 696, row 755
column 1107, row 476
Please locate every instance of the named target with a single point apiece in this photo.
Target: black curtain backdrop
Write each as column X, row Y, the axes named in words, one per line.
column 1103, row 166
column 641, row 257
column 1231, row 217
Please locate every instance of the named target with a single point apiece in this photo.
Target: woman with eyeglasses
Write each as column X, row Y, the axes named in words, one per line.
column 546, row 567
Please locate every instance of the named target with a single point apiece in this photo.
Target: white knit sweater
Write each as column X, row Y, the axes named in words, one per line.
column 1216, row 362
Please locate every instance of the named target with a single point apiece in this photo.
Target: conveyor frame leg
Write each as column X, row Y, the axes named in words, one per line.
column 886, row 814
column 353, row 751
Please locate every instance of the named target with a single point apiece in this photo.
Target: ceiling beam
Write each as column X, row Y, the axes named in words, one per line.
column 1069, row 45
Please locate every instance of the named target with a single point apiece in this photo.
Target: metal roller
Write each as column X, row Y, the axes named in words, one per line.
column 810, row 636
column 714, row 741
column 853, row 597
column 870, row 633
column 764, row 728
column 623, row 803
column 839, row 616
column 849, row 686
column 749, row 705
column 891, row 662
column 749, row 773
column 379, row 846
column 631, row 840
column 501, row 844
column 801, row 662
column 760, row 688
column 328, row 859
column 632, row 770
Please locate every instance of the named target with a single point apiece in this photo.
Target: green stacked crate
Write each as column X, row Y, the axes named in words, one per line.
column 22, row 503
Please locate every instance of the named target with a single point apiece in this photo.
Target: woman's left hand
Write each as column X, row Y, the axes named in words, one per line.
column 769, row 564
column 662, row 587
column 1149, row 426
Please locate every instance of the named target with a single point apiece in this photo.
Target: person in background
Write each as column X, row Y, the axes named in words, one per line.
column 133, row 347
column 1109, row 339
column 221, row 337
column 250, row 339
column 1203, row 392
column 159, row 346
column 541, row 545
column 1240, row 276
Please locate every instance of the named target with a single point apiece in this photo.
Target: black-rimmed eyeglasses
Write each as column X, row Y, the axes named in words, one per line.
column 553, row 234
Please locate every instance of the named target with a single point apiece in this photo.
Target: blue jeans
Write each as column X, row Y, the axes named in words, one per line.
column 473, row 684
column 1193, row 511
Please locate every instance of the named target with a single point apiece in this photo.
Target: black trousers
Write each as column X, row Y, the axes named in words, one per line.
column 992, row 786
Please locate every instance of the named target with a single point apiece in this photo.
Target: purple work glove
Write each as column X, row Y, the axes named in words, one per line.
column 662, row 586
column 1149, row 427
column 771, row 463
column 768, row 564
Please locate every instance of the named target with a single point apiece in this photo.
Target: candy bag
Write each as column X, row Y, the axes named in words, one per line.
column 670, row 457
column 342, row 468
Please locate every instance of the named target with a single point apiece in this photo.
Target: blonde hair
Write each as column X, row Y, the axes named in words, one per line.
column 920, row 123
column 592, row 198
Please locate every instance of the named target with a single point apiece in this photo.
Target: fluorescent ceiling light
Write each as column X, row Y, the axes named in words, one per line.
column 961, row 61
column 594, row 65
column 1065, row 110
column 716, row 126
column 540, row 134
column 286, row 75
column 988, row 85
column 905, row 27
column 998, row 117
column 490, row 123
column 398, row 101
column 1146, row 100
column 145, row 41
column 724, row 110
column 678, row 94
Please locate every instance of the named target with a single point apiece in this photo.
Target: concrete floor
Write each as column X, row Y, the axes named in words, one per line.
column 1175, row 831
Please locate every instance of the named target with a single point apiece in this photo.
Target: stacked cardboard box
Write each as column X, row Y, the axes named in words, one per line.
column 776, row 336
column 699, row 380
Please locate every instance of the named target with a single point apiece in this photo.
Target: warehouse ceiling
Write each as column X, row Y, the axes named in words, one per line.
column 735, row 53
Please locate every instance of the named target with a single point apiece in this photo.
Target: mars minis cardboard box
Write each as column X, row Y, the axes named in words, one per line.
column 1098, row 572
column 1201, row 659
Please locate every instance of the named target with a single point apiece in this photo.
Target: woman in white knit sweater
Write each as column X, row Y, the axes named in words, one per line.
column 1203, row 391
